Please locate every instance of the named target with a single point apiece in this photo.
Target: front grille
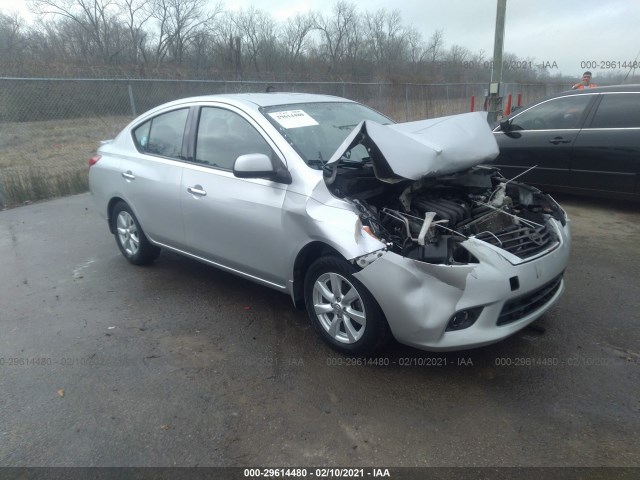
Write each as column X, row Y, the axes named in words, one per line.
column 522, row 306
column 520, row 240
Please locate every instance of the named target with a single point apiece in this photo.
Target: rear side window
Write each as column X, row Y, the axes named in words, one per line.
column 162, row 135
column 223, row 136
column 557, row 114
column 618, row 110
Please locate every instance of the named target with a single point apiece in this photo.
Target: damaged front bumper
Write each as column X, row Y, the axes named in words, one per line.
column 420, row 299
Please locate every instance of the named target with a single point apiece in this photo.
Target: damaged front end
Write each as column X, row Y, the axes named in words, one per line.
column 430, row 220
column 470, row 256
column 427, row 212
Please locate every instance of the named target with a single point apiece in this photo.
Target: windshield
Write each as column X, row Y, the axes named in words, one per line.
column 316, row 130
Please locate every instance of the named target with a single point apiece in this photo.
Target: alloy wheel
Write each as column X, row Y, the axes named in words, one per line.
column 339, row 308
column 128, row 233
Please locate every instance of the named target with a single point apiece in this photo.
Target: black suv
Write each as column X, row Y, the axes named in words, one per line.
column 582, row 141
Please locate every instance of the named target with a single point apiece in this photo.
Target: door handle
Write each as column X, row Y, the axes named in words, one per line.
column 197, row 190
column 128, row 175
column 558, row 140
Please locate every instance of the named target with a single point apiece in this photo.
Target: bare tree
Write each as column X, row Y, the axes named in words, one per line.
column 193, row 39
column 11, row 32
column 386, row 36
column 458, row 54
column 457, row 65
column 434, row 47
column 259, row 34
column 354, row 54
column 178, row 23
column 417, row 50
column 94, row 17
column 135, row 14
column 295, row 36
column 12, row 40
column 335, row 30
column 375, row 34
column 223, row 48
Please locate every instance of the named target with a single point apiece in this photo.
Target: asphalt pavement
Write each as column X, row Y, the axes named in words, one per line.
column 179, row 364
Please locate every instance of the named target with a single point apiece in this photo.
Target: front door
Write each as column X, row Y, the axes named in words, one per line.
column 234, row 222
column 543, row 137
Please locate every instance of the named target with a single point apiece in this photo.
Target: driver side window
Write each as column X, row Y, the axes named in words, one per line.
column 223, row 136
column 557, row 114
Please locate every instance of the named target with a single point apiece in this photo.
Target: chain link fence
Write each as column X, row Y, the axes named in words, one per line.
column 49, row 128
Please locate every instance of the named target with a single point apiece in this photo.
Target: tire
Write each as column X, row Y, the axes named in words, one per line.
column 352, row 322
column 131, row 240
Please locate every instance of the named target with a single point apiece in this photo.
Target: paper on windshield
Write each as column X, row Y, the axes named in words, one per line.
column 293, row 119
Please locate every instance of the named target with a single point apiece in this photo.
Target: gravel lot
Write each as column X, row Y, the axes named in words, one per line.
column 106, row 364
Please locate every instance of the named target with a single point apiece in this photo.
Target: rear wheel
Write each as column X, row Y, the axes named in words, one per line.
column 341, row 308
column 130, row 238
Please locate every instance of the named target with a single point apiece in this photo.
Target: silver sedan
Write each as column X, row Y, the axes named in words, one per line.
column 378, row 229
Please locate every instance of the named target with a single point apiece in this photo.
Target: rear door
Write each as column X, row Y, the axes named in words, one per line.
column 543, row 136
column 152, row 176
column 606, row 154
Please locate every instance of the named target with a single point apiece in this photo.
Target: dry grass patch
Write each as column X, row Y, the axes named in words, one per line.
column 47, row 159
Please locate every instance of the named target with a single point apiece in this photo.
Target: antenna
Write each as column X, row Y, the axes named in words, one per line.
column 632, row 68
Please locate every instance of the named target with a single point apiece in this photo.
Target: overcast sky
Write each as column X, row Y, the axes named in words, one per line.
column 568, row 32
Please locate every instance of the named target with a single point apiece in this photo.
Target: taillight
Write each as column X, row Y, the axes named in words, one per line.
column 93, row 160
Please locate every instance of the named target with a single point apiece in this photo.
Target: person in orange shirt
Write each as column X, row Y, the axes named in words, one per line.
column 584, row 83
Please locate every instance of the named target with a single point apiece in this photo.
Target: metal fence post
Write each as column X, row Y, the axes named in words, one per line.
column 406, row 101
column 448, row 101
column 132, row 100
column 3, row 202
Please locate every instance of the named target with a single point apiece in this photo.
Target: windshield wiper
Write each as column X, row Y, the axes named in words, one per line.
column 316, row 162
column 346, row 127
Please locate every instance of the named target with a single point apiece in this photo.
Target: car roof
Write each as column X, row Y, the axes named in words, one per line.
column 585, row 91
column 257, row 100
column 610, row 88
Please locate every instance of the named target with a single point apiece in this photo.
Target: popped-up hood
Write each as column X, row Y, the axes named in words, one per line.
column 426, row 148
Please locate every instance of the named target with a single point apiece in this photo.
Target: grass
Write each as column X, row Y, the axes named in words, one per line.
column 40, row 160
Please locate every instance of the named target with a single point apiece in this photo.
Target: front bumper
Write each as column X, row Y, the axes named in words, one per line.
column 419, row 298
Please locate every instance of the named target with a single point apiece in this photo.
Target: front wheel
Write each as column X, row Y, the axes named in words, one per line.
column 130, row 238
column 341, row 308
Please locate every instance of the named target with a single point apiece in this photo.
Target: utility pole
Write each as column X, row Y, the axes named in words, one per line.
column 495, row 95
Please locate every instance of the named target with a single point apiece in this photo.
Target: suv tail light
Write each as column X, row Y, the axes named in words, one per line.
column 93, row 160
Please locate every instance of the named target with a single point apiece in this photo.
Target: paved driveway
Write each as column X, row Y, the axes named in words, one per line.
column 103, row 363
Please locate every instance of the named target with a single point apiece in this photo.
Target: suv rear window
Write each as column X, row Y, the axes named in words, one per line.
column 618, row 110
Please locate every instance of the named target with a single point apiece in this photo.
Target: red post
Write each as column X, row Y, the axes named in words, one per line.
column 519, row 99
column 508, row 110
column 473, row 102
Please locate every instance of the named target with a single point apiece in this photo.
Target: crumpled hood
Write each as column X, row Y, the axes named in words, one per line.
column 426, row 148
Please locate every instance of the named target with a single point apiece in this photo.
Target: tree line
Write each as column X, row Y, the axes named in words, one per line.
column 193, row 39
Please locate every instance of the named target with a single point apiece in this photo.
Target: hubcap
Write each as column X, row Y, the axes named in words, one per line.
column 128, row 233
column 339, row 308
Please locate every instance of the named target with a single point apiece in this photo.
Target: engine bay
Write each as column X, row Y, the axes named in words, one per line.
column 428, row 219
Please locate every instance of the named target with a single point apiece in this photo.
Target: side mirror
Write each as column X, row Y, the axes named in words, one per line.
column 259, row 165
column 505, row 125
